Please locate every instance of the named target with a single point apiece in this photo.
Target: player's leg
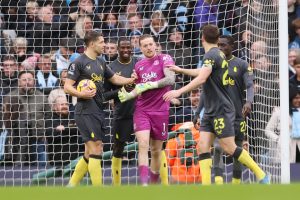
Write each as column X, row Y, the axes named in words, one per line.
column 159, row 133
column 122, row 131
column 116, row 162
column 237, row 166
column 164, row 173
column 205, row 160
column 155, row 147
column 94, row 167
column 143, row 138
column 218, row 165
column 81, row 169
column 229, row 146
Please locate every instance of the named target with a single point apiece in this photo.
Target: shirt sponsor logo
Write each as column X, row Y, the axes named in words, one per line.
column 148, row 76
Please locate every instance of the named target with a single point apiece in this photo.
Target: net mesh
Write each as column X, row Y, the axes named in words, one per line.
column 39, row 138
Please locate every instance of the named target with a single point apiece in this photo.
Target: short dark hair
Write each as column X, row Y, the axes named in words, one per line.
column 211, row 33
column 145, row 36
column 91, row 36
column 26, row 72
column 9, row 57
column 122, row 39
column 228, row 38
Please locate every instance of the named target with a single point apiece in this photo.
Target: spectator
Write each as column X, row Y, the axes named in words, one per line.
column 9, row 77
column 14, row 122
column 134, row 23
column 20, row 49
column 67, row 47
column 182, row 54
column 110, row 51
column 158, row 27
column 293, row 54
column 134, row 40
column 111, row 28
column 206, row 12
column 272, row 131
column 38, row 111
column 46, row 81
column 64, row 143
column 26, row 27
column 295, row 43
column 83, row 25
column 46, row 34
column 295, row 79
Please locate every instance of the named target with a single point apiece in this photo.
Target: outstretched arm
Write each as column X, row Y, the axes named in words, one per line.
column 188, row 72
column 204, row 73
column 169, row 79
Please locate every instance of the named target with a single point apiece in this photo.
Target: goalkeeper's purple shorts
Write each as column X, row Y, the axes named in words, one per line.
column 156, row 122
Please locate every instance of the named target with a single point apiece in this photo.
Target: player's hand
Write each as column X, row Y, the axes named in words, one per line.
column 246, row 109
column 175, row 69
column 196, row 121
column 143, row 87
column 134, row 75
column 129, row 87
column 60, row 128
column 245, row 145
column 171, row 94
column 87, row 94
column 124, row 95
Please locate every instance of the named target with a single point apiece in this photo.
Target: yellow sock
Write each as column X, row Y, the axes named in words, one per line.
column 116, row 168
column 251, row 164
column 95, row 171
column 219, row 180
column 236, row 181
column 164, row 169
column 79, row 172
column 205, row 169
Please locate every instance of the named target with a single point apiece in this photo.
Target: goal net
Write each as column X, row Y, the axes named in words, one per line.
column 39, row 141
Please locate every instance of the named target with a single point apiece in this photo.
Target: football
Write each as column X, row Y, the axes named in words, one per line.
column 86, row 84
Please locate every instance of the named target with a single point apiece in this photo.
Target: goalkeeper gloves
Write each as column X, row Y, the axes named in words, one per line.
column 125, row 96
column 142, row 87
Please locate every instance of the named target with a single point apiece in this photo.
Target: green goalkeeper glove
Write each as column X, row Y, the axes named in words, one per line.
column 142, row 87
column 125, row 96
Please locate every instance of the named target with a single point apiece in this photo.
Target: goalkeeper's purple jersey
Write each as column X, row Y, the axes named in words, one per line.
column 152, row 69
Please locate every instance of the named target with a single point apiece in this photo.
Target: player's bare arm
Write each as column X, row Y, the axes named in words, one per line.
column 188, row 72
column 195, row 83
column 120, row 80
column 85, row 94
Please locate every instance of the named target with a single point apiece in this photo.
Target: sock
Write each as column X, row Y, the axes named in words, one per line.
column 79, row 172
column 164, row 169
column 236, row 181
column 95, row 170
column 244, row 157
column 143, row 173
column 153, row 177
column 205, row 163
column 116, row 167
column 219, row 180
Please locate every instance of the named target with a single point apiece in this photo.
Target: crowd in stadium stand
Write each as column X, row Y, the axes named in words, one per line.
column 40, row 38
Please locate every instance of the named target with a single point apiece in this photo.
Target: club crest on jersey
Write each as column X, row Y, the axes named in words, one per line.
column 156, row 62
column 148, row 76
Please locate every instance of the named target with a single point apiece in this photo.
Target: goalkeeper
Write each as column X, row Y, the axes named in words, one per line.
column 151, row 115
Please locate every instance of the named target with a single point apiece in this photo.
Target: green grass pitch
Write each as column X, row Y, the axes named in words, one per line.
column 182, row 192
